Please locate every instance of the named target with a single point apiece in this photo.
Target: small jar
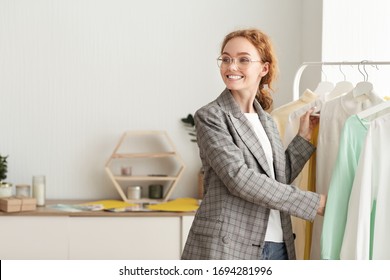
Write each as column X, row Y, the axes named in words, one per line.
column 155, row 191
column 22, row 191
column 39, row 189
column 134, row 192
column 126, row 170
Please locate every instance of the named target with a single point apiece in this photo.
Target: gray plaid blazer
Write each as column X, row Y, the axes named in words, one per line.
column 238, row 190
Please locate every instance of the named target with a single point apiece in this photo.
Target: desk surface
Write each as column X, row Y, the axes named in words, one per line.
column 47, row 211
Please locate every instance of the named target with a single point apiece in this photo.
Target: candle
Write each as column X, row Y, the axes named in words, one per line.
column 134, row 192
column 39, row 186
column 155, row 191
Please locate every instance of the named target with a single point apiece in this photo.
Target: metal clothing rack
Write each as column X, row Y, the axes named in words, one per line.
column 304, row 65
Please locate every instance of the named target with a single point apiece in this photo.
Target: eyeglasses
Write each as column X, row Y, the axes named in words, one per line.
column 242, row 62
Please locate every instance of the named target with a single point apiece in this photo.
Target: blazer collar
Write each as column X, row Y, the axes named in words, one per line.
column 230, row 106
column 227, row 102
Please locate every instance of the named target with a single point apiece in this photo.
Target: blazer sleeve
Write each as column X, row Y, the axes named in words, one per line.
column 219, row 150
column 297, row 154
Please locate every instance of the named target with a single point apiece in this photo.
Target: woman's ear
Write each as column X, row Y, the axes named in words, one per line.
column 264, row 69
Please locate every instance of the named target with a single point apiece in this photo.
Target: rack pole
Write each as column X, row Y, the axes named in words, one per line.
column 299, row 73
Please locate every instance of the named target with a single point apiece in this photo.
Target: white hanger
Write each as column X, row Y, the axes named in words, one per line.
column 364, row 87
column 375, row 109
column 324, row 87
column 340, row 88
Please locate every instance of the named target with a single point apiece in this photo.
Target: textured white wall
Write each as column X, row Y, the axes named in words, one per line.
column 311, row 43
column 76, row 74
column 357, row 30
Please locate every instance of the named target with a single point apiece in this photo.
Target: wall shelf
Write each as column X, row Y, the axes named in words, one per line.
column 154, row 160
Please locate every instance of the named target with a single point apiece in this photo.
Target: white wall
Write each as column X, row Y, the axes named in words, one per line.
column 76, row 74
column 357, row 30
column 311, row 43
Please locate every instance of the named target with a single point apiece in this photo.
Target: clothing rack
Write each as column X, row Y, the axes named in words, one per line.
column 322, row 63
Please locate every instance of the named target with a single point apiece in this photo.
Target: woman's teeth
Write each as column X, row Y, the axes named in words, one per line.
column 234, row 77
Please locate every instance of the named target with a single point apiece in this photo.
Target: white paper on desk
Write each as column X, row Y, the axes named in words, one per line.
column 64, row 207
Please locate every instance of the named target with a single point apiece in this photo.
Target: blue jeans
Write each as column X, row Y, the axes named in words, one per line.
column 274, row 251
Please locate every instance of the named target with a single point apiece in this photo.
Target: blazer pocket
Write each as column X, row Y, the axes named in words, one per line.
column 206, row 227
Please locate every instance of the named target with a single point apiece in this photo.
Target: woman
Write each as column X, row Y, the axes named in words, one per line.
column 247, row 203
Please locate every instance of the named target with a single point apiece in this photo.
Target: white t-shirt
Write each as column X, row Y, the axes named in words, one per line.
column 274, row 231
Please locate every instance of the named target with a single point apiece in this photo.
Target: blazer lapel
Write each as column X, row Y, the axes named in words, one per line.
column 244, row 129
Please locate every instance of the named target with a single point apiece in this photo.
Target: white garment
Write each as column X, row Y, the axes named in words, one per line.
column 281, row 114
column 366, row 221
column 334, row 113
column 292, row 126
column 274, row 231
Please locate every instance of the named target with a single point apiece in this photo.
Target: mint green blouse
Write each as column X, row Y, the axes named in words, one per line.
column 351, row 142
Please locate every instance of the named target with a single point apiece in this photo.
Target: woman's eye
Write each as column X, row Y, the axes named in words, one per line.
column 226, row 60
column 244, row 60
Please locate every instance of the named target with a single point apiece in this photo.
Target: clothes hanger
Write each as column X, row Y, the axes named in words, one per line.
column 324, row 87
column 364, row 87
column 382, row 108
column 376, row 110
column 341, row 87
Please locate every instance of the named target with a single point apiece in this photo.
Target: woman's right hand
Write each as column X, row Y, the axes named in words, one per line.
column 321, row 208
column 307, row 124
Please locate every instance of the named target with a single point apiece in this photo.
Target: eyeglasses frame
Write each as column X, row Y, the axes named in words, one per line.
column 233, row 60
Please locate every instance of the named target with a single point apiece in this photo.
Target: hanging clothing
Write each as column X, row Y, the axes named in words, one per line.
column 368, row 221
column 305, row 179
column 292, row 126
column 351, row 142
column 311, row 186
column 282, row 113
column 334, row 113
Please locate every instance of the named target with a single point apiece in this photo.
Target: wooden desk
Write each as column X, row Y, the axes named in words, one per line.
column 52, row 234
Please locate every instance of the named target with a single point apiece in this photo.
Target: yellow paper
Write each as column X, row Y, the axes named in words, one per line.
column 177, row 205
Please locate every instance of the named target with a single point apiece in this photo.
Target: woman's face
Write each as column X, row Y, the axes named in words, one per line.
column 244, row 73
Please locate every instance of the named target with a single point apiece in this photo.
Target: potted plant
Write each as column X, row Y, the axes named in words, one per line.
column 5, row 187
column 189, row 123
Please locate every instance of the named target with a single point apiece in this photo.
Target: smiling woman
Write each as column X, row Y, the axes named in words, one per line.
column 255, row 47
column 248, row 199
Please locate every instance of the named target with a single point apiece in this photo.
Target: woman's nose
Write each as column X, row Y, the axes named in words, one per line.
column 233, row 65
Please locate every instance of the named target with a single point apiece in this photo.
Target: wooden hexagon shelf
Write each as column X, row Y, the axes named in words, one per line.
column 149, row 157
